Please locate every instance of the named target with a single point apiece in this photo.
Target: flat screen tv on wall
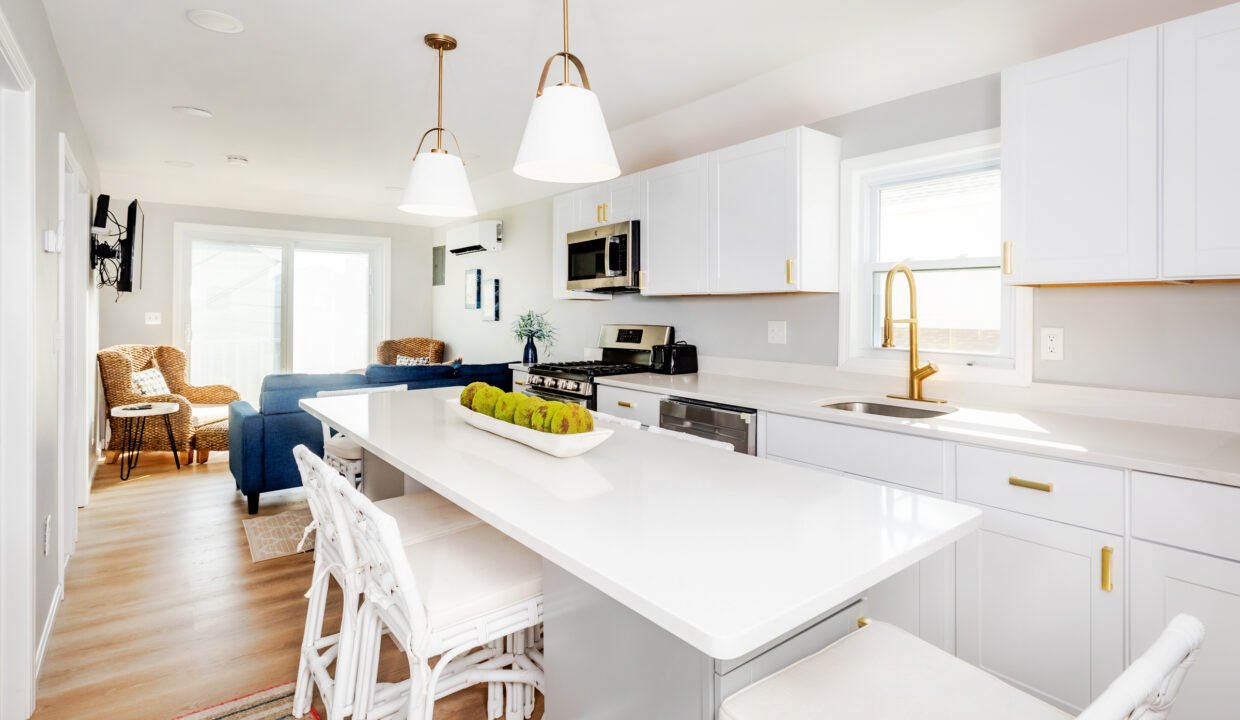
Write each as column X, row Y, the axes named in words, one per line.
column 116, row 249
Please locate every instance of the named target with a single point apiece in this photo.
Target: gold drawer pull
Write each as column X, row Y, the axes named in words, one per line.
column 1107, row 554
column 1031, row 484
column 624, row 403
column 1007, row 257
column 519, row 382
column 788, row 272
column 862, row 621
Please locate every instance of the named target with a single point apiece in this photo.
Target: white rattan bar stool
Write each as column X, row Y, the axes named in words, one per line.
column 473, row 598
column 339, row 450
column 335, row 558
column 882, row 672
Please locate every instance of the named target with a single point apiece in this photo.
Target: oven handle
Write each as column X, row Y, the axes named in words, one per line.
column 552, row 395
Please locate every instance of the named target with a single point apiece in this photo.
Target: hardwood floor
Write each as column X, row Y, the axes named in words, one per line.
column 164, row 612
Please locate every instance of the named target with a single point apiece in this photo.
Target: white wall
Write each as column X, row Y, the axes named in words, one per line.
column 124, row 321
column 55, row 113
column 1176, row 339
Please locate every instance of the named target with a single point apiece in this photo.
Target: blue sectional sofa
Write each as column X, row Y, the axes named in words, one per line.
column 261, row 441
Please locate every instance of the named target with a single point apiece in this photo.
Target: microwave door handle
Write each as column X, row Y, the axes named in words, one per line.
column 607, row 271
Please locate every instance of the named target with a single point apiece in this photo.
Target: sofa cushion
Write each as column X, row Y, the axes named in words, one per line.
column 415, row 375
column 281, row 393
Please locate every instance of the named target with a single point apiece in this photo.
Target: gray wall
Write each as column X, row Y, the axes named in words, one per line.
column 55, row 113
column 124, row 321
column 1180, row 339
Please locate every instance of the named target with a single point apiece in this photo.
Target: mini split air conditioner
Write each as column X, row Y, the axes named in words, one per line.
column 476, row 237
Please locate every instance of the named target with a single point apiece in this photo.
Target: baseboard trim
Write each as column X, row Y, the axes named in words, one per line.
column 46, row 636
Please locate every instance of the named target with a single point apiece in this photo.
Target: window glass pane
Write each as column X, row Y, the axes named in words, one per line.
column 234, row 314
column 954, row 216
column 958, row 311
column 331, row 311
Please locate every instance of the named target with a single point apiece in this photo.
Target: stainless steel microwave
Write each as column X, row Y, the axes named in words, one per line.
column 605, row 258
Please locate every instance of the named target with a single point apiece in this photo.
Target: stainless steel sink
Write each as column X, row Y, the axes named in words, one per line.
column 900, row 411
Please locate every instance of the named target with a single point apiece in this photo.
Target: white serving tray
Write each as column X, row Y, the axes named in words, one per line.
column 561, row 446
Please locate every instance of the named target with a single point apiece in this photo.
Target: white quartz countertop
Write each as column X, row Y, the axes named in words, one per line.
column 723, row 550
column 1210, row 455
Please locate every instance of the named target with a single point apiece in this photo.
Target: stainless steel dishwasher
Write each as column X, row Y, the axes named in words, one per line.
column 736, row 426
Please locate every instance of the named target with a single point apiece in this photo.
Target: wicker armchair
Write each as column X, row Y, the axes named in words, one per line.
column 409, row 347
column 117, row 365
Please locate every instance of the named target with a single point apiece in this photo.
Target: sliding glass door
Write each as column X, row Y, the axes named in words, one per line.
column 258, row 302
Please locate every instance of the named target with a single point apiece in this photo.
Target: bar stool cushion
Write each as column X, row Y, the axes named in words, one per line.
column 343, row 448
column 471, row 573
column 424, row 516
column 881, row 672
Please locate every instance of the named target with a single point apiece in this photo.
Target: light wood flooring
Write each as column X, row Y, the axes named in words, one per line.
column 164, row 612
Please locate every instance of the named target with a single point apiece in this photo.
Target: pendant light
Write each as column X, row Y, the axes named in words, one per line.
column 437, row 183
column 566, row 138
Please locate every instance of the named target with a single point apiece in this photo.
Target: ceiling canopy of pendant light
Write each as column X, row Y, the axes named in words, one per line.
column 437, row 183
column 566, row 138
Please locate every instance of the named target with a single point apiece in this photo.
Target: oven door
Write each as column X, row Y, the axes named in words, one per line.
column 546, row 394
column 602, row 259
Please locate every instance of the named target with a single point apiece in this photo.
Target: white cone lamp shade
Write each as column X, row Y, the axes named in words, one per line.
column 438, row 187
column 566, row 139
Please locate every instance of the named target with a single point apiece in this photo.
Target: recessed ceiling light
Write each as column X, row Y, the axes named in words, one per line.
column 179, row 163
column 215, row 21
column 237, row 160
column 192, row 111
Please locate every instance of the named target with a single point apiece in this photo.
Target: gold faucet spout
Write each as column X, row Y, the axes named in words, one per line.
column 917, row 373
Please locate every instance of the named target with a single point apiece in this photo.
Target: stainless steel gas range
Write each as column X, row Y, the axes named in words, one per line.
column 625, row 349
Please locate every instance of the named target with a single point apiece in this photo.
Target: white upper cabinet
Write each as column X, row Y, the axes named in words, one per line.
column 1080, row 164
column 1201, row 145
column 675, row 231
column 613, row 201
column 775, row 214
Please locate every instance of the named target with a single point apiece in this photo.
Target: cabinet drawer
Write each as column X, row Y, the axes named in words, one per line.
column 1084, row 495
column 519, row 379
column 1186, row 513
column 632, row 404
column 891, row 457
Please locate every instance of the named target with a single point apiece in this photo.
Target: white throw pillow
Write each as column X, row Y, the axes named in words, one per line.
column 150, row 382
column 406, row 360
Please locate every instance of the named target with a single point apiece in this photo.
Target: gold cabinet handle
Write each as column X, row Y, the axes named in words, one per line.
column 624, row 403
column 598, row 213
column 1108, row 554
column 788, row 271
column 519, row 382
column 1031, row 484
column 605, row 209
column 1007, row 257
column 863, row 621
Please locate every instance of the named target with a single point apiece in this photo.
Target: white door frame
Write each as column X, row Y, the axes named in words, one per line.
column 73, row 466
column 17, row 406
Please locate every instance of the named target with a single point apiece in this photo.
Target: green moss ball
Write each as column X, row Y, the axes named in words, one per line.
column 542, row 414
column 467, row 395
column 525, row 409
column 570, row 420
column 485, row 399
column 506, row 406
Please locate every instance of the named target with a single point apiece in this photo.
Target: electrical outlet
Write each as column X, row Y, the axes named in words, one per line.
column 47, row 536
column 154, row 318
column 1052, row 343
column 777, row 332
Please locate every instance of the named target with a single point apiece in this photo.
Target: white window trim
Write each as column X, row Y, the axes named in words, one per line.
column 380, row 249
column 859, row 177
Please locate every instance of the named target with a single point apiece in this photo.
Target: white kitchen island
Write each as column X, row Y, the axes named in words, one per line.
column 675, row 573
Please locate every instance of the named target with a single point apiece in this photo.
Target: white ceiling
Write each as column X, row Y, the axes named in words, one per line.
column 327, row 98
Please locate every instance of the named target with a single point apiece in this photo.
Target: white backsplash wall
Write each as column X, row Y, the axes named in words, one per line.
column 1163, row 338
column 124, row 321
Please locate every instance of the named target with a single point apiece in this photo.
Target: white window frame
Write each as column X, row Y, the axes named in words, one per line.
column 861, row 179
column 379, row 248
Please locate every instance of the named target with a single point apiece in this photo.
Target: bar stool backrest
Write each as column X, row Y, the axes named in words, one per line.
column 1148, row 688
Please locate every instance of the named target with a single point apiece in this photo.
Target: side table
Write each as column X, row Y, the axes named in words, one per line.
column 135, row 416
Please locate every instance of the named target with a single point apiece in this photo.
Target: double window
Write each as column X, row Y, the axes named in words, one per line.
column 255, row 302
column 935, row 209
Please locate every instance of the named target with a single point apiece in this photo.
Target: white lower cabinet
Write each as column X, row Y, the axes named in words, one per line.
column 1032, row 607
column 1167, row 581
column 630, row 404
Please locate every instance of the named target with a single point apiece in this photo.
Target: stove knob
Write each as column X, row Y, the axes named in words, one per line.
column 552, row 383
column 570, row 385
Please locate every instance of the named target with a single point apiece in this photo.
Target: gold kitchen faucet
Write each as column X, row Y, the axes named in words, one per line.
column 916, row 374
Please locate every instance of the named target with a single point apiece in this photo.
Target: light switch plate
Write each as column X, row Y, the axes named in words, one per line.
column 154, row 318
column 1052, row 343
column 777, row 332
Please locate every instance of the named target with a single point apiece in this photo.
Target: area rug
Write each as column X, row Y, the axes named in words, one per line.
column 273, row 536
column 271, row 704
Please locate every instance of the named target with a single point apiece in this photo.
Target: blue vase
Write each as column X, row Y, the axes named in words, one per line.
column 531, row 352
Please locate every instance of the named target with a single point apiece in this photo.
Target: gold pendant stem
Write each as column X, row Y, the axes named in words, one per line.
column 565, row 42
column 439, row 115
